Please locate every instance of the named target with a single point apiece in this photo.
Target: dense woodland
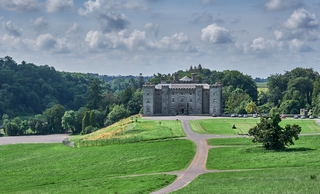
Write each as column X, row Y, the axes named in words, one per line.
column 40, row 100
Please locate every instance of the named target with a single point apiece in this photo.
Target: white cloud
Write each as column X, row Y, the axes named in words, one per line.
column 39, row 24
column 20, row 5
column 204, row 17
column 177, row 41
column 216, row 34
column 46, row 41
column 301, row 18
column 106, row 14
column 153, row 28
column 283, row 4
column 131, row 41
column 300, row 25
column 73, row 29
column 54, row 6
column 298, row 45
column 11, row 29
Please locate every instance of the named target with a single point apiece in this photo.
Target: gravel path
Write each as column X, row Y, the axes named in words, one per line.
column 198, row 165
column 33, row 139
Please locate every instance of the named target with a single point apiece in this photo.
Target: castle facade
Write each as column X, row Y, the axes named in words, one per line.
column 182, row 97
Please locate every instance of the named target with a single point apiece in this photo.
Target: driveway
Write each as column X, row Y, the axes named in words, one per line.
column 33, row 139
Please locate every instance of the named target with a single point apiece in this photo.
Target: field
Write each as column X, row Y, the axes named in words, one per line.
column 130, row 130
column 224, row 125
column 255, row 170
column 53, row 168
column 262, row 86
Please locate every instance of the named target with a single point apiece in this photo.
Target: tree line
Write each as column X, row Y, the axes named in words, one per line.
column 40, row 100
column 286, row 93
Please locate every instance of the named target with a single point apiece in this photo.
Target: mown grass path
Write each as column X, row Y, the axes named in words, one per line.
column 198, row 165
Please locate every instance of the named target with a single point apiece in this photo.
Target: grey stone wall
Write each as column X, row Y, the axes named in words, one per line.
column 215, row 99
column 198, row 105
column 148, row 100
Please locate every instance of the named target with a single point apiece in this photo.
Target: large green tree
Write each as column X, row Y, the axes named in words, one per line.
column 272, row 135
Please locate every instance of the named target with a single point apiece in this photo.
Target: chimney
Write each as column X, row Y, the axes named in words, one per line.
column 193, row 77
column 176, row 79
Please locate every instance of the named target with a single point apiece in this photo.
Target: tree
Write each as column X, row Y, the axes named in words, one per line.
column 272, row 135
column 54, row 116
column 68, row 121
column 251, row 107
column 85, row 122
column 118, row 112
column 237, row 101
column 94, row 95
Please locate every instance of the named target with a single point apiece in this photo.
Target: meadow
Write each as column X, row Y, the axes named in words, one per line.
column 262, row 86
column 223, row 126
column 54, row 168
column 252, row 169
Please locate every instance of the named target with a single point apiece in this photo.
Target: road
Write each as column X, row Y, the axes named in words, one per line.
column 33, row 139
column 198, row 164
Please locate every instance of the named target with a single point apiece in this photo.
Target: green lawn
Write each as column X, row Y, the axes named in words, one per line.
column 224, row 125
column 296, row 170
column 272, row 181
column 305, row 152
column 53, row 168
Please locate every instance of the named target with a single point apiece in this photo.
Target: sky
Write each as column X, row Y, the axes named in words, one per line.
column 128, row 37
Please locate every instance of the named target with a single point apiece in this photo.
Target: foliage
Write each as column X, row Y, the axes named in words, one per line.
column 94, row 94
column 54, row 116
column 118, row 112
column 68, row 121
column 272, row 135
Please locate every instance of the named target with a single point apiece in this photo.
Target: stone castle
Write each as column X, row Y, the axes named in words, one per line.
column 184, row 96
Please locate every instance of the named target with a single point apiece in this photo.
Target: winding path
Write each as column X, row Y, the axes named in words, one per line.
column 198, row 165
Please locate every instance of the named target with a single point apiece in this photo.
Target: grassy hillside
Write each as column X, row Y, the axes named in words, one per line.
column 132, row 129
column 53, row 168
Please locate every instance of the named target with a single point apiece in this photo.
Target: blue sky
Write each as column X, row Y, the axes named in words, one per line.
column 128, row 37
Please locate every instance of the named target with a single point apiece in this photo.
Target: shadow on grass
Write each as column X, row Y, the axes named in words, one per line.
column 302, row 149
column 1, row 135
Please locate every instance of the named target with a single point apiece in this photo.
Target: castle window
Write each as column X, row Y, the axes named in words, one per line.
column 190, row 99
column 148, row 101
column 215, row 93
column 190, row 93
column 181, row 93
column 148, row 93
column 214, row 100
column 172, row 99
column 181, row 100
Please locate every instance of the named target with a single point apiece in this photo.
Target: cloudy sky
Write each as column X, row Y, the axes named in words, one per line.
column 128, row 37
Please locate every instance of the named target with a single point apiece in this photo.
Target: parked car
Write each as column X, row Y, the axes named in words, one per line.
column 310, row 117
column 254, row 115
column 295, row 116
column 303, row 117
column 233, row 115
column 283, row 116
column 240, row 115
column 245, row 116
